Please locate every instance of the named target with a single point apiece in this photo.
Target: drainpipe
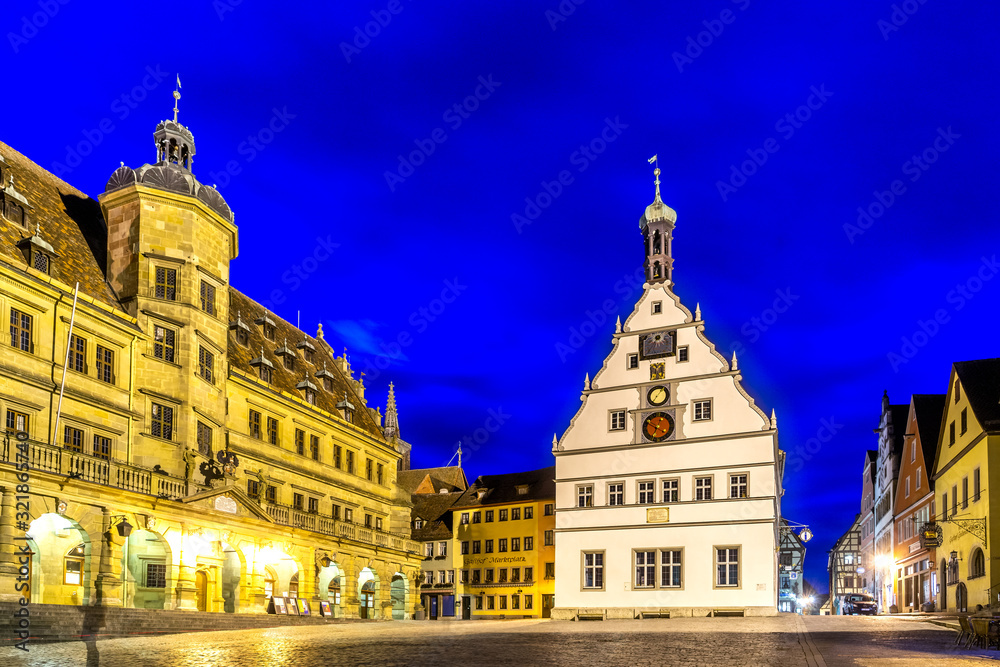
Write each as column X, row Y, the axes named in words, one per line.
column 62, row 385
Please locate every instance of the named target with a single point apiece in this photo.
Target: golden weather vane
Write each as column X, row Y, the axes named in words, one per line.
column 177, row 96
column 656, row 172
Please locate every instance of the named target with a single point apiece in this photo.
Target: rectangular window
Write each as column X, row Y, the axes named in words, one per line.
column 657, row 307
column 503, row 515
column 954, row 500
column 348, row 515
column 442, row 548
column 585, row 496
column 490, row 602
column 502, row 575
column 73, row 439
column 163, row 343
column 529, row 543
column 451, row 577
column 616, row 494
column 350, row 461
column 671, row 490
column 105, row 365
column 515, row 602
column 20, row 330
column 951, row 433
column 272, row 430
column 337, row 453
column 702, row 488
column 907, row 494
column 162, row 422
column 253, row 488
column 297, row 499
column 368, row 469
column 515, row 514
column 549, row 509
column 913, row 451
column 515, row 544
column 204, row 439
column 476, row 517
column 682, row 353
column 314, row 505
column 703, row 410
column 738, row 486
column 515, row 575
column 429, row 550
column 670, row 568
column 465, row 577
column 965, row 492
column 528, row 602
column 208, row 298
column 617, row 420
column 550, row 570
column 646, row 493
column 529, row 574
column 645, row 569
column 314, row 447
column 289, row 361
column 78, row 353
column 254, row 424
column 549, row 538
column 593, row 570
column 502, row 545
column 379, row 473
column 300, row 441
column 271, row 494
column 156, row 575
column 368, row 521
column 529, row 512
column 465, row 548
column 965, row 420
column 488, row 575
column 102, row 447
column 975, row 485
column 919, row 469
column 727, row 566
column 633, row 361
column 206, row 363
column 479, row 598
column 476, row 546
column 489, row 516
column 166, row 284
column 489, row 546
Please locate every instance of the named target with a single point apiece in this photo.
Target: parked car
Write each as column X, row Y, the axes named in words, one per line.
column 859, row 603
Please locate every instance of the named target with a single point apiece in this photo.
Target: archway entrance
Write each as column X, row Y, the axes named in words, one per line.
column 330, row 582
column 961, row 598
column 367, row 598
column 147, row 561
column 60, row 568
column 231, row 569
column 398, row 592
column 201, row 587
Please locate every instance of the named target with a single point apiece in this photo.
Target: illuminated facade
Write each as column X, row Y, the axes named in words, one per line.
column 199, row 452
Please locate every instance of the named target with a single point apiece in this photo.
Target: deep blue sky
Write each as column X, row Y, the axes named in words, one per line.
column 521, row 291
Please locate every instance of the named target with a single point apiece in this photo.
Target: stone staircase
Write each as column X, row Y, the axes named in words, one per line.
column 54, row 623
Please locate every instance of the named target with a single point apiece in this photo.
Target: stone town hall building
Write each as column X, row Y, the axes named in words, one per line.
column 668, row 479
column 240, row 450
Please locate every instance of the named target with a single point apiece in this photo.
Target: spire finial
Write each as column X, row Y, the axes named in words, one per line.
column 656, row 172
column 391, row 430
column 618, row 324
column 735, row 365
column 697, row 311
column 555, row 442
column 774, row 419
column 177, row 96
column 586, row 382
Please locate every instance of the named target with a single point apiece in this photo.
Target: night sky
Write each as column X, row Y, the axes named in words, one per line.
column 456, row 196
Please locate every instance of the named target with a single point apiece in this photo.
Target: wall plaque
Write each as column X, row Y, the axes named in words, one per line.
column 225, row 504
column 657, row 514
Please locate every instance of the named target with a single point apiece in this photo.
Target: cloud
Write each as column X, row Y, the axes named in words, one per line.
column 360, row 336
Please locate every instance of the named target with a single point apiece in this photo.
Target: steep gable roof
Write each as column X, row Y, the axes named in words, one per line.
column 981, row 381
column 287, row 335
column 928, row 409
column 451, row 478
column 503, row 489
column 434, row 508
column 66, row 219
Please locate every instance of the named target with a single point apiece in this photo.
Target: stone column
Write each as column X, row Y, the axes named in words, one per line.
column 349, row 589
column 108, row 555
column 186, row 592
column 257, row 603
column 307, row 580
column 9, row 547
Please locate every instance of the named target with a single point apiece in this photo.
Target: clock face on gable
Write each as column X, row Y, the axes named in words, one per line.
column 658, row 426
column 657, row 395
column 657, row 344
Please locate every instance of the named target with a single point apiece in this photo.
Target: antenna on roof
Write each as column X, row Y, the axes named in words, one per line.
column 298, row 320
column 458, row 453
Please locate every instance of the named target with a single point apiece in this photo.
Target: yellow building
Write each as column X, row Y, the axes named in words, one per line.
column 966, row 468
column 505, row 526
column 197, row 452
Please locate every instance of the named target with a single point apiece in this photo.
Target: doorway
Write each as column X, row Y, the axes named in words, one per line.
column 548, row 601
column 961, row 599
column 201, row 586
column 943, row 583
column 466, row 608
column 434, row 607
column 367, row 609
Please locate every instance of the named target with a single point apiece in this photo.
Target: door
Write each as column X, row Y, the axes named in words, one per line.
column 466, row 608
column 961, row 598
column 548, row 601
column 201, row 584
column 943, row 584
column 434, row 607
column 367, row 605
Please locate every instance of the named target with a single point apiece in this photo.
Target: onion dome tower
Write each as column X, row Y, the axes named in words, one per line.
column 657, row 225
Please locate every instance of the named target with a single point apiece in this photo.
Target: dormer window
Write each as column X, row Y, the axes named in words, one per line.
column 40, row 261
column 327, row 378
column 346, row 409
column 308, row 350
column 522, row 490
column 287, row 354
column 242, row 330
column 13, row 205
column 267, row 325
column 308, row 391
column 37, row 252
column 265, row 368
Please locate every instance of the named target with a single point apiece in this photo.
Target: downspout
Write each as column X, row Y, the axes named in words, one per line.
column 62, row 385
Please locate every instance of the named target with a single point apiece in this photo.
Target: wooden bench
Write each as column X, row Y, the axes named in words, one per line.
column 662, row 613
column 729, row 611
column 590, row 615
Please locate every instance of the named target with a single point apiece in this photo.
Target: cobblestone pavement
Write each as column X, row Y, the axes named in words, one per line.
column 787, row 640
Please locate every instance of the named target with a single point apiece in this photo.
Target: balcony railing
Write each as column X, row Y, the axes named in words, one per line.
column 289, row 516
column 107, row 472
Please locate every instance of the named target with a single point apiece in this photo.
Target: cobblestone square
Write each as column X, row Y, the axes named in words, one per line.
column 787, row 640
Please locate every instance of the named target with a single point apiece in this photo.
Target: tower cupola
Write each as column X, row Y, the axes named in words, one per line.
column 174, row 142
column 657, row 225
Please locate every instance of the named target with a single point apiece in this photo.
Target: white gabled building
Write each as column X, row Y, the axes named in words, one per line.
column 668, row 479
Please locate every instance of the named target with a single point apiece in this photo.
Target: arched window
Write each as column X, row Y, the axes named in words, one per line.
column 977, row 564
column 73, row 566
column 333, row 591
column 656, row 243
column 268, row 583
column 656, row 270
